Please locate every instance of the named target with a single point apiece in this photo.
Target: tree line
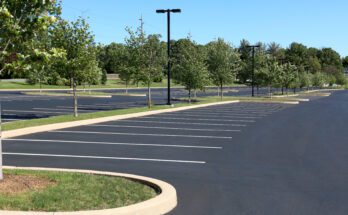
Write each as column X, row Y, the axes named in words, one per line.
column 38, row 44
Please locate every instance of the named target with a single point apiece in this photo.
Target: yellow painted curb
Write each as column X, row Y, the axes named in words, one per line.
column 56, row 126
column 161, row 204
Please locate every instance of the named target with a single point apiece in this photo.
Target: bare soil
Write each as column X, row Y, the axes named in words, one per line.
column 17, row 184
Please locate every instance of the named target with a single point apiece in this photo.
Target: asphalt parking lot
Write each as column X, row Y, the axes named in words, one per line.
column 244, row 158
column 169, row 146
column 19, row 106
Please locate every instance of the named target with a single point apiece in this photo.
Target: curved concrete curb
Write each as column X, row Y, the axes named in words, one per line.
column 56, row 126
column 161, row 204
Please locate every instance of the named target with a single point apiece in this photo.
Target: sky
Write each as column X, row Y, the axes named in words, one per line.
column 315, row 23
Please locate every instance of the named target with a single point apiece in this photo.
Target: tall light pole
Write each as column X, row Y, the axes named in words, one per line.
column 169, row 11
column 253, row 69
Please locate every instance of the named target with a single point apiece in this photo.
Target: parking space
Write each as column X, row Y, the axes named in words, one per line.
column 19, row 106
column 192, row 136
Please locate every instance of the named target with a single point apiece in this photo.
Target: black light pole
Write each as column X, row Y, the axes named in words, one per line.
column 253, row 72
column 168, row 11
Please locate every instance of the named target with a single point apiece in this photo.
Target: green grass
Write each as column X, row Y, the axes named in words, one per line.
column 76, row 191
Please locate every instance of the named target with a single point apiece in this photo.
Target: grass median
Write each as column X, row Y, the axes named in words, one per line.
column 27, row 190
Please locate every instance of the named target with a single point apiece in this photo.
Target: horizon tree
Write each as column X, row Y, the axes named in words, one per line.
column 223, row 63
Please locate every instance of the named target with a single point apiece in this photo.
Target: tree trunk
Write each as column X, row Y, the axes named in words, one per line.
column 189, row 96
column 218, row 91
column 40, row 86
column 75, row 99
column 1, row 173
column 195, row 94
column 149, row 96
column 270, row 91
column 222, row 92
column 127, row 87
column 294, row 90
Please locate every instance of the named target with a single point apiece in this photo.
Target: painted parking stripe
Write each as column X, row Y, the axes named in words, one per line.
column 56, row 109
column 183, row 123
column 242, row 110
column 232, row 114
column 200, row 119
column 111, row 143
column 210, row 115
column 163, row 128
column 141, row 134
column 29, row 111
column 228, row 112
column 105, row 158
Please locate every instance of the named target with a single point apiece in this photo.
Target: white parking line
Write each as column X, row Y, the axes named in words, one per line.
column 141, row 134
column 183, row 123
column 200, row 119
column 164, row 128
column 241, row 110
column 56, row 109
column 106, row 158
column 228, row 112
column 212, row 115
column 110, row 143
column 29, row 111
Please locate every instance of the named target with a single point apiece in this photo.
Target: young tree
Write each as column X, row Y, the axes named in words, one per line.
column 305, row 80
column 41, row 61
column 189, row 67
column 318, row 79
column 273, row 73
column 146, row 58
column 223, row 63
column 153, row 63
column 78, row 41
column 290, row 76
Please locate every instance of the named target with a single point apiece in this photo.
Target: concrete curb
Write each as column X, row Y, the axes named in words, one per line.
column 286, row 96
column 301, row 100
column 291, row 102
column 274, row 102
column 56, row 126
column 161, row 204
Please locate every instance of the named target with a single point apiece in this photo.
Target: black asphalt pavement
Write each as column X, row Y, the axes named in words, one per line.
column 19, row 106
column 244, row 158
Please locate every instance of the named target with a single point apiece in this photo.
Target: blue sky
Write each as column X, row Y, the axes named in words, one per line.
column 316, row 23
